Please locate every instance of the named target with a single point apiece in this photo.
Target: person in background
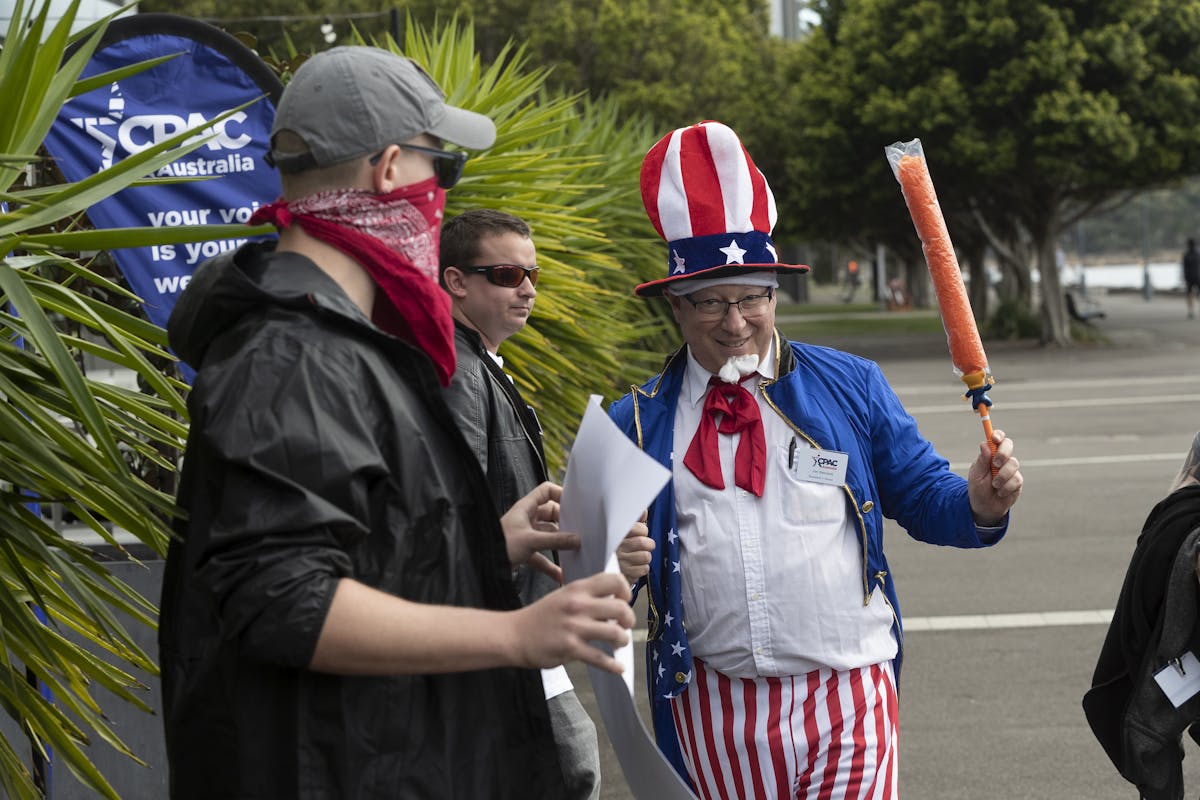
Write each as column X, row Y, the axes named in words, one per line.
column 1191, row 277
column 852, row 281
column 489, row 268
column 338, row 616
column 774, row 631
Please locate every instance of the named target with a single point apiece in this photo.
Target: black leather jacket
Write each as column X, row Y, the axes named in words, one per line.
column 321, row 448
column 499, row 426
column 503, row 432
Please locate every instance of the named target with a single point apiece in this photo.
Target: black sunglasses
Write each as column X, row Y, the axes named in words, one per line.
column 447, row 164
column 510, row 276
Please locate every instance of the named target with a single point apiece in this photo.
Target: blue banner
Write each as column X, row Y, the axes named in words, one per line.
column 214, row 74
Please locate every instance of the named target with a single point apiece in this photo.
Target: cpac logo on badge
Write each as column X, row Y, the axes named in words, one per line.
column 141, row 131
column 828, row 467
column 825, row 462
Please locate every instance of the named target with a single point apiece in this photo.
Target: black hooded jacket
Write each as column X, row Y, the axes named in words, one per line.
column 321, row 448
column 1156, row 620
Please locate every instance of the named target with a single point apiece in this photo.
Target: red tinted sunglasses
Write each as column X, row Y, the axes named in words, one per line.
column 510, row 276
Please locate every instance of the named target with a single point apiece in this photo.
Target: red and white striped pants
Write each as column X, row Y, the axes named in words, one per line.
column 827, row 735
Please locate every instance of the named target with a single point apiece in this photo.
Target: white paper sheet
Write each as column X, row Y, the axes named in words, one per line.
column 609, row 483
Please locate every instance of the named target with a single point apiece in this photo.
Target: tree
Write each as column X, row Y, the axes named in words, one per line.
column 680, row 63
column 277, row 26
column 1032, row 114
column 1159, row 222
column 677, row 63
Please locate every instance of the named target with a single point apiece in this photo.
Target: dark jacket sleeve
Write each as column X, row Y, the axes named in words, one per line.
column 467, row 397
column 290, row 463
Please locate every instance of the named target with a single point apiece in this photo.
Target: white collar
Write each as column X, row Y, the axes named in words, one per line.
column 696, row 377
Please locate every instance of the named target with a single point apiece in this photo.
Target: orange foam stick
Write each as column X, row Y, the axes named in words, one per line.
column 966, row 349
column 962, row 334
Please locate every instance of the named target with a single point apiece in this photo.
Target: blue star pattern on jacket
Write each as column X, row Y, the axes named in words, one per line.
column 674, row 670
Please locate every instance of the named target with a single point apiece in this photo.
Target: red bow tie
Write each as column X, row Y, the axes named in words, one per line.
column 739, row 414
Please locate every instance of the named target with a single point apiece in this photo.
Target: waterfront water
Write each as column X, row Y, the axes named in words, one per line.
column 1164, row 276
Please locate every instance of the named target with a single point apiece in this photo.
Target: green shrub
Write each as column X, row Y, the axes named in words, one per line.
column 1012, row 320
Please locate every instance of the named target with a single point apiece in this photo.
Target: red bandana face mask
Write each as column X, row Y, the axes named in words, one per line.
column 394, row 237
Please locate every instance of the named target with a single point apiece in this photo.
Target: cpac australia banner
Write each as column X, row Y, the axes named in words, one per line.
column 213, row 74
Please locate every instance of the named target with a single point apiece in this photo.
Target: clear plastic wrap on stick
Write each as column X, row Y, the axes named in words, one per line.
column 909, row 167
column 966, row 349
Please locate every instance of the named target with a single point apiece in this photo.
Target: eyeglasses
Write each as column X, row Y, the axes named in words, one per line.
column 510, row 276
column 447, row 164
column 750, row 306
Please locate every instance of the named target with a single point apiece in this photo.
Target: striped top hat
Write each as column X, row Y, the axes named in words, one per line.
column 711, row 205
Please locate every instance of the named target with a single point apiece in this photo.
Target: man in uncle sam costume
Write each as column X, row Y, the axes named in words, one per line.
column 774, row 632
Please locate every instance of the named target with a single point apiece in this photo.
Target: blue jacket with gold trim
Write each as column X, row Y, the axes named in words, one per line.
column 833, row 401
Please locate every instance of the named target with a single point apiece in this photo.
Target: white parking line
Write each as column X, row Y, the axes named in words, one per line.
column 1083, row 461
column 1041, row 386
column 1075, row 402
column 981, row 622
column 978, row 622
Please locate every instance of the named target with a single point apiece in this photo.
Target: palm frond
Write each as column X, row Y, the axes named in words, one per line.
column 65, row 437
column 570, row 169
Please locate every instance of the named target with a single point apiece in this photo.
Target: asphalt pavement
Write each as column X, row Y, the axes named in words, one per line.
column 1001, row 643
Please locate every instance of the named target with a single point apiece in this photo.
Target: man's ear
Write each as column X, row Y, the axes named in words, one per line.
column 384, row 171
column 455, row 282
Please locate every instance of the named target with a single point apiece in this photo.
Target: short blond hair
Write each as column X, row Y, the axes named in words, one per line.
column 350, row 174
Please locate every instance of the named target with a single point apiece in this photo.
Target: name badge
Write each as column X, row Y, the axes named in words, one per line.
column 1180, row 680
column 817, row 466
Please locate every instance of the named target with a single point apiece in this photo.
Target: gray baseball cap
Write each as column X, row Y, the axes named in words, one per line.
column 349, row 101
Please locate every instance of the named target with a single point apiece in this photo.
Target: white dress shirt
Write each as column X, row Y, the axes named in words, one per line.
column 772, row 586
